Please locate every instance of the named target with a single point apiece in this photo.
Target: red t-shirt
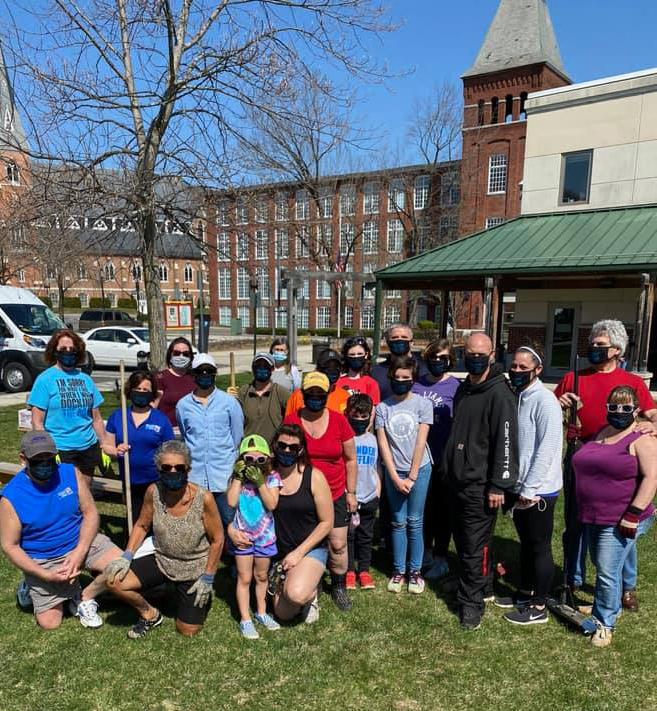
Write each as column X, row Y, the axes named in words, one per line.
column 365, row 384
column 325, row 452
column 594, row 390
column 173, row 387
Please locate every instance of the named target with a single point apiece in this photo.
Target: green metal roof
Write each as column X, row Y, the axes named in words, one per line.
column 609, row 240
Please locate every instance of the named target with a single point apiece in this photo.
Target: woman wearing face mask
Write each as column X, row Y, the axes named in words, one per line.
column 402, row 428
column 147, row 430
column 439, row 388
column 329, row 364
column 357, row 363
column 176, row 380
column 540, row 435
column 65, row 402
column 188, row 538
column 331, row 448
column 616, row 481
column 285, row 374
column 263, row 401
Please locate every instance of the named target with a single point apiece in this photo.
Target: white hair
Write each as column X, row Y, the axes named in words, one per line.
column 612, row 328
column 173, row 446
column 395, row 326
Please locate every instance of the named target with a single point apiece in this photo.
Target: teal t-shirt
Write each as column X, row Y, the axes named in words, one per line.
column 68, row 399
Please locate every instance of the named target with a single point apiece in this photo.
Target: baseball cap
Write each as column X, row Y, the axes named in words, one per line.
column 255, row 443
column 34, row 443
column 263, row 356
column 315, row 379
column 325, row 357
column 203, row 359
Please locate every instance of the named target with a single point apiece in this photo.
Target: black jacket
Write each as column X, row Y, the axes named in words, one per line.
column 483, row 443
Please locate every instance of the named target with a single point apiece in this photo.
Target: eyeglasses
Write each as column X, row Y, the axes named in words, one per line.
column 251, row 459
column 178, row 468
column 285, row 447
column 616, row 407
column 181, row 353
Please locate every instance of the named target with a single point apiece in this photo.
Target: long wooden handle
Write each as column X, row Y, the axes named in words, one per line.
column 232, row 370
column 126, row 456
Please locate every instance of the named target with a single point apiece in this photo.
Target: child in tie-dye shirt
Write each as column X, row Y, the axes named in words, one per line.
column 253, row 491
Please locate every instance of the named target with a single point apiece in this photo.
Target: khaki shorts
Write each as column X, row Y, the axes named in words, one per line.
column 47, row 595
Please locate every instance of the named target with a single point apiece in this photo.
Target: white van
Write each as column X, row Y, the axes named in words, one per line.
column 26, row 325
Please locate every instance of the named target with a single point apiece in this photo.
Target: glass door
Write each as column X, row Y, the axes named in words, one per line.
column 563, row 325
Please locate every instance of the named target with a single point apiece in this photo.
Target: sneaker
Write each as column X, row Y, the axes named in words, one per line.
column 268, row 622
column 529, row 615
column 519, row 600
column 310, row 613
column 438, row 569
column 351, row 580
column 470, row 619
column 143, row 627
column 276, row 578
column 630, row 601
column 341, row 599
column 366, row 581
column 416, row 584
column 489, row 598
column 23, row 597
column 248, row 630
column 602, row 637
column 396, row 583
column 87, row 613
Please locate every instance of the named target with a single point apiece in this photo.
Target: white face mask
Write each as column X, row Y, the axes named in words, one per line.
column 179, row 361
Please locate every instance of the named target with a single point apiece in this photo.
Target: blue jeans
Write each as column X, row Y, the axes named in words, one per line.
column 407, row 513
column 631, row 567
column 577, row 559
column 609, row 551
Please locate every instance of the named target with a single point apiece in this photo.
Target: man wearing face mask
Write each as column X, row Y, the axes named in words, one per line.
column 49, row 530
column 212, row 425
column 480, row 461
column 330, row 364
column 263, row 401
column 399, row 338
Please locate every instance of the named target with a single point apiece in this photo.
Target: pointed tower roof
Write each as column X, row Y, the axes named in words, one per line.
column 521, row 34
column 12, row 133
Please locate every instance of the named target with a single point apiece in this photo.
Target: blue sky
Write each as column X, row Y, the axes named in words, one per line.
column 440, row 40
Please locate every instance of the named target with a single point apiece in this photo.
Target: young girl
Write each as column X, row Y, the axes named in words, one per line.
column 402, row 426
column 357, row 362
column 285, row 374
column 253, row 491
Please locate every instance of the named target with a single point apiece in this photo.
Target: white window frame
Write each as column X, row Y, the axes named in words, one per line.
column 282, row 238
column 225, row 315
column 223, row 283
column 370, row 237
column 347, row 238
column 223, row 247
column 396, row 196
column 421, row 189
column 494, row 222
column 243, row 291
column 244, row 313
column 282, row 210
column 498, row 165
column 303, row 242
column 302, row 205
column 323, row 317
column 348, row 200
column 324, row 289
column 261, row 244
column 395, row 242
column 243, row 247
column 262, row 210
column 371, row 198
column 163, row 272
column 367, row 317
column 188, row 274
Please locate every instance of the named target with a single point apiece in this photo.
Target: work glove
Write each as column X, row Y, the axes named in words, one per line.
column 629, row 523
column 255, row 475
column 118, row 568
column 239, row 470
column 203, row 589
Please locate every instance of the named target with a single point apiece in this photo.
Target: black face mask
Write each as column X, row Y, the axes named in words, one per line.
column 287, row 458
column 620, row 420
column 401, row 387
column 358, row 426
column 262, row 373
column 438, row 366
column 355, row 362
column 520, row 379
column 66, row 358
column 476, row 364
column 204, row 380
column 316, row 403
column 399, row 347
column 140, row 399
column 598, row 354
column 173, row 481
column 43, row 470
column 332, row 375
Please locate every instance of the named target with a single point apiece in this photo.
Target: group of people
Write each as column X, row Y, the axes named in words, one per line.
column 287, row 476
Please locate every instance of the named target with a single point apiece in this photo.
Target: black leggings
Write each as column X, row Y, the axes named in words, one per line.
column 359, row 539
column 437, row 515
column 534, row 526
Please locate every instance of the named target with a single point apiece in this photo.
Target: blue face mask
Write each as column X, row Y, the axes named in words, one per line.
column 400, row 387
column 598, row 354
column 43, row 470
column 620, row 420
column 399, row 347
column 204, row 380
column 315, row 404
column 476, row 365
column 140, row 399
column 173, row 481
column 262, row 374
column 520, row 379
column 359, row 426
column 438, row 366
column 67, row 359
column 356, row 362
column 279, row 358
column 287, row 458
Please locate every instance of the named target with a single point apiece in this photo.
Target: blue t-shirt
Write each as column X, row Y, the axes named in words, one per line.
column 50, row 515
column 143, row 440
column 441, row 395
column 68, row 400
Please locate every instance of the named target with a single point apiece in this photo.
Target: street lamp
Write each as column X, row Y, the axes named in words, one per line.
column 253, row 293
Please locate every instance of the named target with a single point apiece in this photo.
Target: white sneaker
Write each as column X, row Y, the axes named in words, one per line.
column 310, row 613
column 88, row 614
column 23, row 597
column 602, row 637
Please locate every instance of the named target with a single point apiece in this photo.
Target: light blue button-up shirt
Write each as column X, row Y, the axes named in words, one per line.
column 213, row 433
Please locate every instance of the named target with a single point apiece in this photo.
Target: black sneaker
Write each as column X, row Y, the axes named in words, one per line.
column 341, row 599
column 276, row 578
column 143, row 627
column 470, row 619
column 519, row 600
column 529, row 615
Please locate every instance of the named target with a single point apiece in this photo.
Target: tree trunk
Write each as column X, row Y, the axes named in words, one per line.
column 61, row 291
column 157, row 335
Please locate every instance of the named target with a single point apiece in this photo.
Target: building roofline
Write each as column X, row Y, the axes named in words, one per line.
column 604, row 81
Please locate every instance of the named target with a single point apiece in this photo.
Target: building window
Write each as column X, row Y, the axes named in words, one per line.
column 262, row 211
column 576, row 180
column 348, row 200
column 113, row 300
column 224, row 283
column 261, row 244
column 450, row 189
column 136, row 272
column 262, row 275
column 223, row 247
column 323, row 317
column 421, row 236
column 348, row 316
column 325, row 204
column 448, row 227
column 480, row 112
column 393, row 294
column 325, row 240
column 508, row 110
column 84, row 299
column 242, row 212
column 164, row 272
column 497, row 172
column 242, row 283
column 370, row 237
column 262, row 317
column 243, row 247
column 21, row 276
column 282, row 244
column 281, row 317
column 523, row 110
column 303, row 239
column 13, row 174
column 223, row 213
column 188, row 274
column 396, row 196
column 281, row 290
column 302, row 206
column 347, row 237
column 395, row 236
column 244, row 313
column 493, row 222
column 494, row 110
column 392, row 314
column 371, row 198
column 81, row 271
column 323, row 289
column 282, row 211
column 421, row 191
column 303, row 317
column 367, row 317
column 110, row 272
column 224, row 315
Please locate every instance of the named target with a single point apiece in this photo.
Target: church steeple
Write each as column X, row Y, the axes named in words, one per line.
column 521, row 35
column 12, row 133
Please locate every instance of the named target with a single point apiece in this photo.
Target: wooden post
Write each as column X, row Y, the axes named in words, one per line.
column 644, row 348
column 444, row 312
column 489, row 320
column 232, row 369
column 126, row 456
column 638, row 329
column 498, row 311
column 378, row 308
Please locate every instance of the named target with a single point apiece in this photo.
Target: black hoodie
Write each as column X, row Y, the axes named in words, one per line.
column 483, row 442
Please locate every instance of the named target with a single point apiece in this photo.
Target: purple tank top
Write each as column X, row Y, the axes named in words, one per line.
column 606, row 480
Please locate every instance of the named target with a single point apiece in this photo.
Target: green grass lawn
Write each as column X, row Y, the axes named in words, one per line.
column 401, row 653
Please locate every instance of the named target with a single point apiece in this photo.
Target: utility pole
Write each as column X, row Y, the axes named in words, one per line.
column 253, row 293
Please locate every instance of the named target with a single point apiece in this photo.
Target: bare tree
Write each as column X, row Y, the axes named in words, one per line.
column 161, row 89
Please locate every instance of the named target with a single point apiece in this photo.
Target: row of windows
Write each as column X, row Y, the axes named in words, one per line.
column 109, row 273
column 499, row 108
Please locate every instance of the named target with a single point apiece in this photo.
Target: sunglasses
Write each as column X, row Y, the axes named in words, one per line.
column 67, row 349
column 252, row 459
column 178, row 468
column 616, row 407
column 181, row 353
column 285, row 447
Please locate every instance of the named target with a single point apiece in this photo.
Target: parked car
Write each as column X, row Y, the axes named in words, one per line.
column 93, row 318
column 107, row 346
